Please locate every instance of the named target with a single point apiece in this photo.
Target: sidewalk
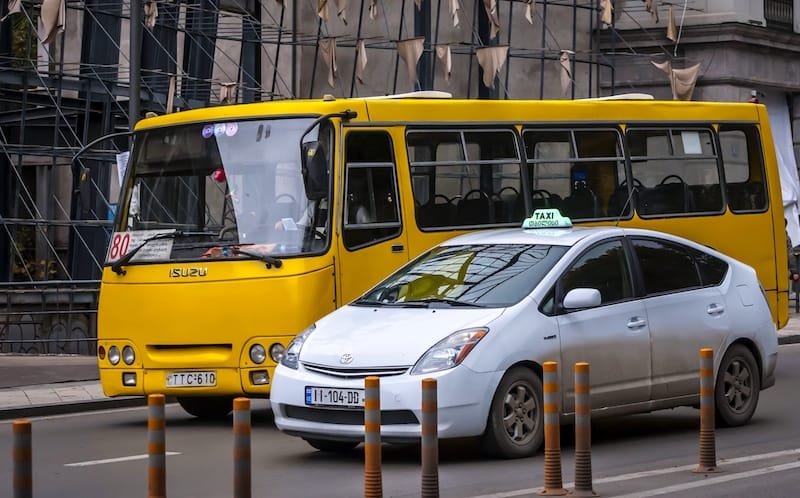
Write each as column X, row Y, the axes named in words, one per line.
column 33, row 386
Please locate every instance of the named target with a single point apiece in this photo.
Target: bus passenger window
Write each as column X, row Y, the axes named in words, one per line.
column 744, row 168
column 371, row 207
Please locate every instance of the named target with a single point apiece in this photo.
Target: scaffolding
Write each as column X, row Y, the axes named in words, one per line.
column 68, row 78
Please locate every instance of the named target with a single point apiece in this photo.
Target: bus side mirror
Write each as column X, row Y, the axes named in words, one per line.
column 315, row 171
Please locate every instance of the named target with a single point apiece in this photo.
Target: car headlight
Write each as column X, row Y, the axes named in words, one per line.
column 449, row 352
column 113, row 355
column 276, row 352
column 258, row 354
column 291, row 356
column 128, row 355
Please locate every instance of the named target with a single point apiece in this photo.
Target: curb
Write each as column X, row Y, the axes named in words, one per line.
column 77, row 407
column 789, row 339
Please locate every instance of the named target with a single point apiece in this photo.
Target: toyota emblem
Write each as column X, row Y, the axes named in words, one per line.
column 346, row 359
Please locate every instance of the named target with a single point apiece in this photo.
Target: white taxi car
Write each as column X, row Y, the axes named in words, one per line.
column 482, row 312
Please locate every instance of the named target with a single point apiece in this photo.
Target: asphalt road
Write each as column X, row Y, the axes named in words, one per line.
column 103, row 453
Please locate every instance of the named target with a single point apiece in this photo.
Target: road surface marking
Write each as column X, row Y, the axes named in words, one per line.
column 115, row 460
column 656, row 472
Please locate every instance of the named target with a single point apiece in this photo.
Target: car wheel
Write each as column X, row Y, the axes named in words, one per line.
column 332, row 446
column 515, row 427
column 215, row 407
column 737, row 387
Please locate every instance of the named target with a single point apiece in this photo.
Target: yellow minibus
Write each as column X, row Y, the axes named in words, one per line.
column 238, row 226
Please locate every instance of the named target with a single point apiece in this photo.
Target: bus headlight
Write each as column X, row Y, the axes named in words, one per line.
column 128, row 355
column 276, row 352
column 113, row 355
column 258, row 354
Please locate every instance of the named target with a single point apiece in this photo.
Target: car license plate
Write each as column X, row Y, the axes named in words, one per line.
column 332, row 396
column 192, row 379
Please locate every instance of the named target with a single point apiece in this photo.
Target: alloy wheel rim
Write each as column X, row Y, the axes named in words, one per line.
column 738, row 386
column 520, row 411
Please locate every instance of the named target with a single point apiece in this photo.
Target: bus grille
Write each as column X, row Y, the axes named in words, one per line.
column 347, row 417
column 356, row 373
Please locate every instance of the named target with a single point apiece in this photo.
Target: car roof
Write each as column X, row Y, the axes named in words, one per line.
column 566, row 236
column 548, row 236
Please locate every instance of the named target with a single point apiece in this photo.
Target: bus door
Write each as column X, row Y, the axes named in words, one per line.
column 372, row 242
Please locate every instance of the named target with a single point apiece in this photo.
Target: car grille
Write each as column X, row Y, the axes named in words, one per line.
column 347, row 417
column 355, row 373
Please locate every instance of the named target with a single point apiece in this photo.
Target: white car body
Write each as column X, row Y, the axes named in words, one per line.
column 643, row 352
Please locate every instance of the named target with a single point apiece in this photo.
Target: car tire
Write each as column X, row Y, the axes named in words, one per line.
column 207, row 407
column 329, row 446
column 515, row 427
column 737, row 387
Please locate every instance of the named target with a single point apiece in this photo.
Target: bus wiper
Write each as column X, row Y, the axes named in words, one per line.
column 116, row 267
column 268, row 260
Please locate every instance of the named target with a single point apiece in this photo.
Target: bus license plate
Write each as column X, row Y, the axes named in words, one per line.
column 332, row 396
column 192, row 379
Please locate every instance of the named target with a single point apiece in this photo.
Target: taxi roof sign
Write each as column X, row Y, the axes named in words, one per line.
column 547, row 218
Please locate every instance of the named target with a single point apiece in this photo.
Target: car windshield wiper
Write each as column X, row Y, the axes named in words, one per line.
column 116, row 267
column 268, row 260
column 425, row 302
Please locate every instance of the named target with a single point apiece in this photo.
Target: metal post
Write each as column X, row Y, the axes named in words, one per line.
column 156, row 447
column 583, row 432
column 242, row 487
column 22, row 456
column 430, row 440
column 708, row 446
column 373, row 487
column 552, row 432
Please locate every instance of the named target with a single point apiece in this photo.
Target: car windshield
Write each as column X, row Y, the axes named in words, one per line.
column 496, row 275
column 236, row 183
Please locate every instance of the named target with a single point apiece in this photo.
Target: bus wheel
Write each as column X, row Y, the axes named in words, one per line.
column 737, row 387
column 332, row 446
column 515, row 427
column 207, row 407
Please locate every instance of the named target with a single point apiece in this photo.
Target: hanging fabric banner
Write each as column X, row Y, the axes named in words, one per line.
column 684, row 81
column 491, row 60
column 14, row 7
column 322, row 9
column 672, row 31
column 651, row 7
column 606, row 14
column 361, row 60
column 529, row 11
column 410, row 51
column 444, row 56
column 173, row 82
column 150, row 13
column 566, row 70
column 454, row 8
column 491, row 12
column 51, row 20
column 227, row 92
column 373, row 9
column 328, row 48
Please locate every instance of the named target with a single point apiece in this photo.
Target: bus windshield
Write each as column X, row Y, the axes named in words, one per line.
column 223, row 184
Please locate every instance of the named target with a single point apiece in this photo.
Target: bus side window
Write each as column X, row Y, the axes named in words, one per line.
column 371, row 204
column 744, row 168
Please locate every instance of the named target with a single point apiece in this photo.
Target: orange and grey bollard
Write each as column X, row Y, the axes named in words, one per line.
column 373, row 485
column 552, row 432
column 583, row 432
column 708, row 445
column 22, row 455
column 156, row 447
column 430, row 440
column 242, row 487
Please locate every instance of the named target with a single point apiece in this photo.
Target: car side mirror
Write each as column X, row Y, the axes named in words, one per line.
column 582, row 298
column 315, row 171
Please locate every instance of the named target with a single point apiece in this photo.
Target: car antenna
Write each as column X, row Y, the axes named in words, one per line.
column 625, row 206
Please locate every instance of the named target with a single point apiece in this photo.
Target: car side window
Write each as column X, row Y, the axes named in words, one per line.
column 666, row 267
column 603, row 267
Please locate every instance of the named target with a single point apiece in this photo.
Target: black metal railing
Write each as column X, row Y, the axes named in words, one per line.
column 779, row 14
column 51, row 317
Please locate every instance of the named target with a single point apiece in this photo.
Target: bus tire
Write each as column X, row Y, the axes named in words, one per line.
column 330, row 446
column 515, row 427
column 737, row 387
column 207, row 407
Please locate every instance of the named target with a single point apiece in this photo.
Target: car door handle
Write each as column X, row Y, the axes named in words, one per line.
column 398, row 248
column 636, row 322
column 715, row 309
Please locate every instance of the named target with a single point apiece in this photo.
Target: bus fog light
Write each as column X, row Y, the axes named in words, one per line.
column 101, row 353
column 258, row 354
column 129, row 379
column 128, row 355
column 113, row 355
column 276, row 352
column 259, row 377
